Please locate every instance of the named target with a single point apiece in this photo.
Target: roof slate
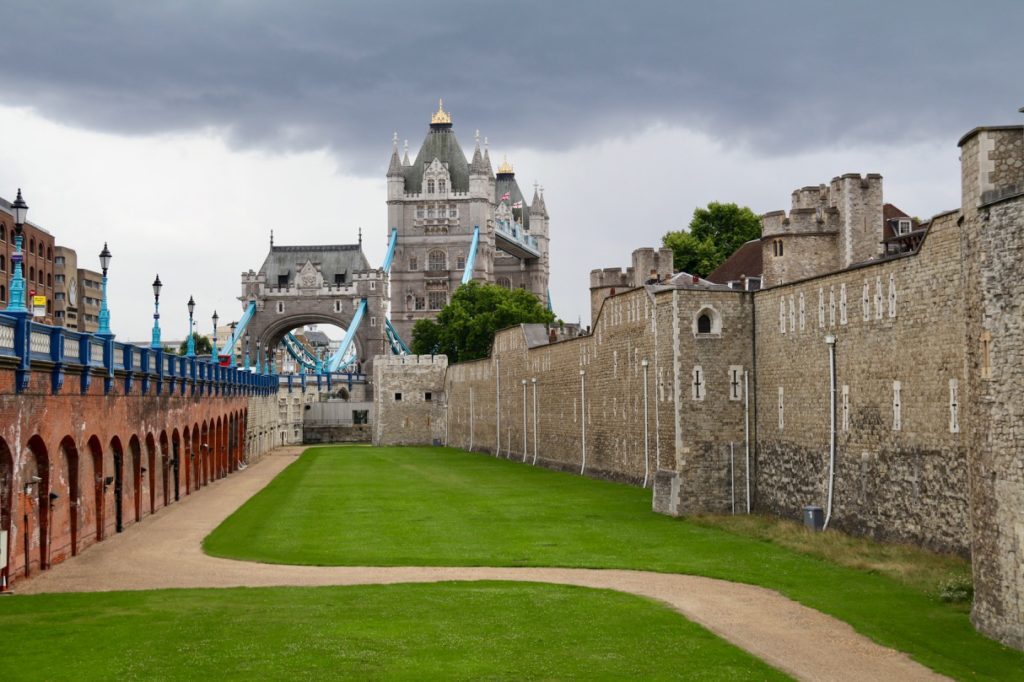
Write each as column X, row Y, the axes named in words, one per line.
column 442, row 145
column 331, row 259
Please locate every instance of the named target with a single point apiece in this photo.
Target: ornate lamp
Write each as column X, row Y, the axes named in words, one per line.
column 105, row 257
column 157, row 286
column 190, row 351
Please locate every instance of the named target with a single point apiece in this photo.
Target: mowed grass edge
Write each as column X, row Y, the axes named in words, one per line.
column 443, row 507
column 451, row 631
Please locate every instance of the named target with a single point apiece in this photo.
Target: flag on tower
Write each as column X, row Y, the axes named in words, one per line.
column 518, row 204
column 504, row 197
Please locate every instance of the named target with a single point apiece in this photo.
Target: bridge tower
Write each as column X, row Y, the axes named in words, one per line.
column 435, row 203
column 320, row 284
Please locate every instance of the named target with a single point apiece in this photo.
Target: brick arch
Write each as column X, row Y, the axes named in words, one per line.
column 6, row 505
column 135, row 453
column 115, row 493
column 36, row 512
column 166, row 464
column 152, row 463
column 195, row 460
column 179, row 463
column 204, row 452
column 219, row 457
column 98, row 481
column 64, row 509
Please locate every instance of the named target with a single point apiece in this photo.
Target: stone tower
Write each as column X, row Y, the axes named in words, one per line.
column 992, row 238
column 829, row 227
column 435, row 202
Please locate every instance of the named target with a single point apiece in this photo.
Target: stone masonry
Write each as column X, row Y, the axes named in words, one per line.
column 409, row 400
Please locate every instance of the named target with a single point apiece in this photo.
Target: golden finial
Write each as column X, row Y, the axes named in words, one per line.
column 505, row 166
column 441, row 116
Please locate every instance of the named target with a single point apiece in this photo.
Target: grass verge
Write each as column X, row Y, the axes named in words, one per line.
column 444, row 507
column 451, row 631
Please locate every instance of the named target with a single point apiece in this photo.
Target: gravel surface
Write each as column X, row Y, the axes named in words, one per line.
column 164, row 551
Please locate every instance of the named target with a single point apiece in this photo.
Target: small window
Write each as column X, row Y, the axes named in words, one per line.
column 453, row 213
column 460, row 262
column 339, row 278
column 414, row 263
column 441, row 186
column 3, row 233
column 3, row 263
column 428, row 396
column 704, row 324
column 436, row 300
column 504, row 282
column 282, row 281
column 280, row 307
column 903, row 226
column 430, row 186
column 437, row 260
column 398, row 397
column 421, row 303
column 777, row 248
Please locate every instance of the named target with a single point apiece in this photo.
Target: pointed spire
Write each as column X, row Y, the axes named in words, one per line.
column 271, row 239
column 537, row 205
column 405, row 159
column 395, row 167
column 487, row 158
column 477, row 166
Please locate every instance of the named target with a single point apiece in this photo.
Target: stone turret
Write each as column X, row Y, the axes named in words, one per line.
column 829, row 227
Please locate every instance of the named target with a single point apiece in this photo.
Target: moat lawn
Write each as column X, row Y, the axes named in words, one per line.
column 449, row 631
column 359, row 506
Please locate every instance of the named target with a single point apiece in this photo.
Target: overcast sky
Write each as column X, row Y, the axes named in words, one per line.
column 183, row 132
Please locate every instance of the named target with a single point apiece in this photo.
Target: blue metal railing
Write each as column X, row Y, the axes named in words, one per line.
column 32, row 347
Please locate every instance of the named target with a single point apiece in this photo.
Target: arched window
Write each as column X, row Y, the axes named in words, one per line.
column 32, row 245
column 3, row 293
column 31, row 273
column 3, row 233
column 777, row 247
column 414, row 263
column 49, row 280
column 437, row 260
column 504, row 282
column 40, row 249
column 3, row 263
column 707, row 322
column 49, row 253
column 441, row 186
column 430, row 186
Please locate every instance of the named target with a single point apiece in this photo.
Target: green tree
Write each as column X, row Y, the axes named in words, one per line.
column 203, row 346
column 465, row 328
column 713, row 235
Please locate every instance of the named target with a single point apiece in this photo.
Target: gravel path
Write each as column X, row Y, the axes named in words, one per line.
column 163, row 551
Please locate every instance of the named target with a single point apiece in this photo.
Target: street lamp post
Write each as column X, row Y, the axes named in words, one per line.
column 16, row 302
column 214, row 351
column 247, row 351
column 191, row 347
column 104, row 329
column 157, row 286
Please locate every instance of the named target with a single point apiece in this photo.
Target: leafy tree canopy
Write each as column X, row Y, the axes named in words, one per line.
column 203, row 345
column 465, row 329
column 714, row 234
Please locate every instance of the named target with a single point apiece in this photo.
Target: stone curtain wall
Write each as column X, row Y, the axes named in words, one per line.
column 409, row 400
column 993, row 243
column 899, row 321
column 589, row 415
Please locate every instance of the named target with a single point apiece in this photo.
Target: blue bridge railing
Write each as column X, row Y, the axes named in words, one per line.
column 38, row 348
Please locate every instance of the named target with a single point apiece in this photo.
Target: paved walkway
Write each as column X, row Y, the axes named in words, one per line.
column 164, row 551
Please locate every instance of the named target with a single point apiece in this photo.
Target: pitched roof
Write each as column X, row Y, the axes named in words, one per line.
column 745, row 261
column 506, row 182
column 442, row 145
column 331, row 259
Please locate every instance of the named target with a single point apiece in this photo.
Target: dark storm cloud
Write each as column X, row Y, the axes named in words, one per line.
column 771, row 75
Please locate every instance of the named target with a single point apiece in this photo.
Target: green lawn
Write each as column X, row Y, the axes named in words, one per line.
column 443, row 507
column 449, row 631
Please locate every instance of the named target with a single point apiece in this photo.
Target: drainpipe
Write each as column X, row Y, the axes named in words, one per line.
column 471, row 419
column 534, row 382
column 583, row 416
column 831, row 341
column 647, row 449
column 524, row 420
column 746, row 430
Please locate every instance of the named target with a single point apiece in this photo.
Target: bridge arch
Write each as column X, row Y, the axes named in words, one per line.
column 165, row 466
column 272, row 331
column 114, row 463
column 151, row 464
column 95, row 460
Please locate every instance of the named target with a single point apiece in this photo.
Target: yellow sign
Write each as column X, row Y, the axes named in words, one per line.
column 39, row 301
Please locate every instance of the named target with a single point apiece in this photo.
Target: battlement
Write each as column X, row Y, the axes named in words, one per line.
column 800, row 221
column 611, row 277
column 421, row 360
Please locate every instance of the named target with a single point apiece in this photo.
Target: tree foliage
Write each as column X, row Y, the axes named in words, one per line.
column 714, row 234
column 203, row 345
column 465, row 328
